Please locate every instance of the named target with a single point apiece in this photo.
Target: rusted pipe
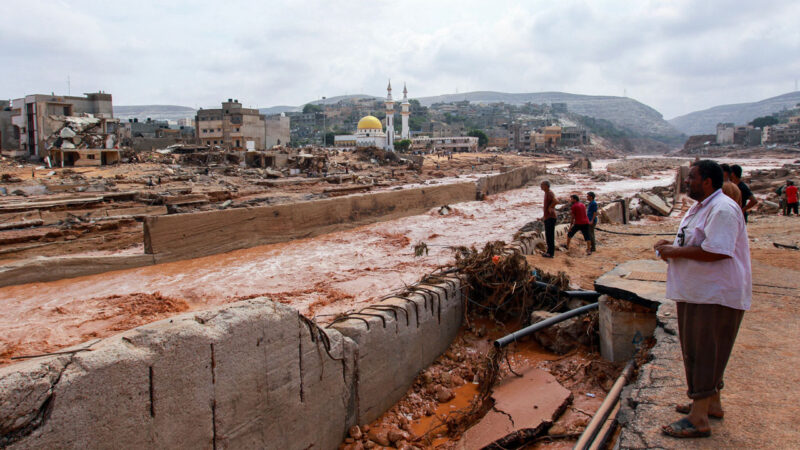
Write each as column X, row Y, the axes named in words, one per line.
column 505, row 340
column 605, row 409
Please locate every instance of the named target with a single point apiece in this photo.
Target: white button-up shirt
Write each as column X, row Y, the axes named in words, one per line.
column 716, row 225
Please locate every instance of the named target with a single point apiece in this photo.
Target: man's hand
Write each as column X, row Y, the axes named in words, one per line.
column 661, row 242
column 665, row 249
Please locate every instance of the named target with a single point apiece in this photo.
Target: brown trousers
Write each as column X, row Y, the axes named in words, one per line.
column 707, row 334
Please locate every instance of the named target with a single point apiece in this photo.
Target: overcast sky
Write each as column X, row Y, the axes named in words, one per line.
column 677, row 56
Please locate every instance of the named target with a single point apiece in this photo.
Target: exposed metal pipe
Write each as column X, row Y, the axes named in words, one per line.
column 505, row 340
column 605, row 409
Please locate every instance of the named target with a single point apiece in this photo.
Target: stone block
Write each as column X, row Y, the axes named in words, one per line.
column 621, row 331
column 656, row 203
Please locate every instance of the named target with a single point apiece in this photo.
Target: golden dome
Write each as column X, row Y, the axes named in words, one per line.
column 370, row 123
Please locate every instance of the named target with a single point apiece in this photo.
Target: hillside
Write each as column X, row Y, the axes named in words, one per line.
column 623, row 112
column 155, row 112
column 705, row 121
column 634, row 118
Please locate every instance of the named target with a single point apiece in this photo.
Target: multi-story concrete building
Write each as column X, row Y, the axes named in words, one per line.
column 133, row 128
column 725, row 133
column 31, row 114
column 279, row 130
column 785, row 133
column 9, row 141
column 574, row 136
column 447, row 144
column 232, row 127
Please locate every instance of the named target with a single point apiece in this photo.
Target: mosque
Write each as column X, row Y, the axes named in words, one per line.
column 369, row 131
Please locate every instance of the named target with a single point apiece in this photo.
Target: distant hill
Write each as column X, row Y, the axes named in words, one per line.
column 705, row 122
column 623, row 112
column 155, row 112
column 279, row 109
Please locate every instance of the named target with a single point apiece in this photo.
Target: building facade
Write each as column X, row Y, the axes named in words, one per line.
column 231, row 127
column 446, row 144
column 30, row 117
column 279, row 130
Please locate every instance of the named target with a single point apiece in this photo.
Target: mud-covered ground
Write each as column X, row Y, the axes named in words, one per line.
column 114, row 224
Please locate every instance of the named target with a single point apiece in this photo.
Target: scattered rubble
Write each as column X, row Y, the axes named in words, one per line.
column 640, row 167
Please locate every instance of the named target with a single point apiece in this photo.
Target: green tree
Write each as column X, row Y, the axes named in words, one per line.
column 403, row 145
column 482, row 138
column 761, row 122
column 329, row 140
column 311, row 108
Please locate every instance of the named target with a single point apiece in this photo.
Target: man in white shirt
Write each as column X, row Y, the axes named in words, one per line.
column 710, row 279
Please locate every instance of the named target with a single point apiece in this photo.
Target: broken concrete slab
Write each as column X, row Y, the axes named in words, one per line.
column 647, row 293
column 656, row 203
column 523, row 408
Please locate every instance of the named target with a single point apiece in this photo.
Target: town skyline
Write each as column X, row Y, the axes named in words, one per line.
column 677, row 57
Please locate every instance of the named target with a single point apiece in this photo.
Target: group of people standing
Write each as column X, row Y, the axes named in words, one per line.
column 583, row 219
column 708, row 276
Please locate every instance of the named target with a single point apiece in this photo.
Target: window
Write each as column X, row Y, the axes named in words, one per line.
column 237, row 130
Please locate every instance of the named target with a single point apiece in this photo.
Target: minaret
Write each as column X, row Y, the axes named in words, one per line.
column 389, row 118
column 405, row 113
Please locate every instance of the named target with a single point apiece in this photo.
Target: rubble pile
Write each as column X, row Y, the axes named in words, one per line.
column 639, row 167
column 377, row 156
column 79, row 132
column 581, row 165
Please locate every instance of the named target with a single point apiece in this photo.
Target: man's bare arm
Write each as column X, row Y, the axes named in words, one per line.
column 751, row 203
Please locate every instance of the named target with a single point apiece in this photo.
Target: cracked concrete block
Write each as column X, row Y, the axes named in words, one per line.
column 182, row 361
column 25, row 391
column 100, row 398
column 244, row 375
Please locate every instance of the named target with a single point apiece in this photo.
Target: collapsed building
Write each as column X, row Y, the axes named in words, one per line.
column 36, row 118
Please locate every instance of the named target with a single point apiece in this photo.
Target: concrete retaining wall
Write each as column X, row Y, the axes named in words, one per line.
column 411, row 334
column 43, row 269
column 514, row 179
column 183, row 236
column 251, row 374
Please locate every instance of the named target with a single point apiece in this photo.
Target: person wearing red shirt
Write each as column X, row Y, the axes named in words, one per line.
column 791, row 198
column 580, row 222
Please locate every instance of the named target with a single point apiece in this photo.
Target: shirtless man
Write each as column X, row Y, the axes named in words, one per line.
column 729, row 188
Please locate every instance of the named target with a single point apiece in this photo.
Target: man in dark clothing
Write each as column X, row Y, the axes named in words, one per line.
column 749, row 201
column 549, row 218
column 591, row 211
column 580, row 222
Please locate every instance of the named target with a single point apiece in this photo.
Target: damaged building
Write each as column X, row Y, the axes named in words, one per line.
column 232, row 127
column 35, row 118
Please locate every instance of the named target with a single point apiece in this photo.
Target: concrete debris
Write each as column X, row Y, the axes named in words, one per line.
column 523, row 409
column 80, row 132
column 581, row 164
column 655, row 202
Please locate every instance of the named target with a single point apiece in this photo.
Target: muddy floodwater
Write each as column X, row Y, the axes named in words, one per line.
column 320, row 276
